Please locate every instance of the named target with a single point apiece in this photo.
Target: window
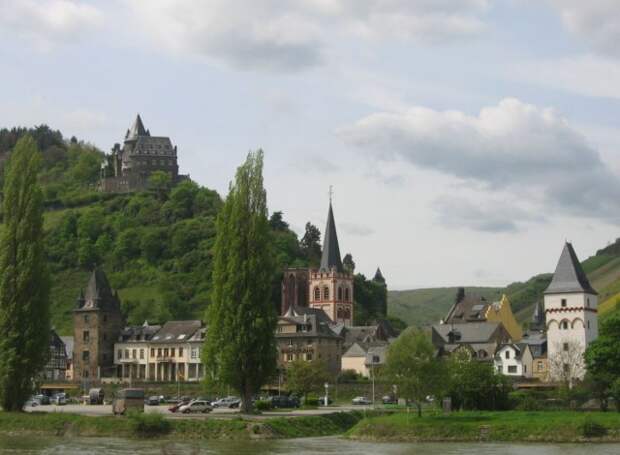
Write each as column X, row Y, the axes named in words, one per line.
column 194, row 353
column 566, row 368
column 565, row 347
column 86, row 356
column 133, row 353
column 86, row 336
column 317, row 294
column 180, row 352
column 588, row 302
column 507, row 354
column 172, row 351
column 564, row 325
column 85, row 318
column 540, row 365
column 563, row 303
column 308, row 356
column 524, row 369
column 512, row 369
column 119, row 354
column 346, row 294
column 325, row 293
column 85, row 373
column 141, row 353
column 152, row 352
column 339, row 293
column 588, row 325
column 126, row 353
column 165, row 352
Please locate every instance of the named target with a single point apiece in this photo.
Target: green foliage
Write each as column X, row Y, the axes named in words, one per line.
column 311, row 244
column 370, row 300
column 412, row 365
column 591, row 429
column 475, row 385
column 304, row 377
column 240, row 350
column 263, row 405
column 348, row 376
column 24, row 279
column 147, row 425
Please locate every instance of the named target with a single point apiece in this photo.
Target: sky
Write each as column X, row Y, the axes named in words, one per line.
column 465, row 140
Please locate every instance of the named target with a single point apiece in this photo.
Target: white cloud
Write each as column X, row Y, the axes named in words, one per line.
column 48, row 22
column 596, row 21
column 588, row 75
column 528, row 151
column 294, row 34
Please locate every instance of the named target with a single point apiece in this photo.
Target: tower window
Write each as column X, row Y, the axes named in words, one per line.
column 564, row 325
column 317, row 294
column 339, row 293
column 563, row 303
column 86, row 336
column 565, row 347
column 588, row 325
column 85, row 356
column 346, row 294
column 85, row 318
column 325, row 293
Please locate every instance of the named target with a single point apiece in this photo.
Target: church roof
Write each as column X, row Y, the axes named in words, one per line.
column 331, row 250
column 538, row 317
column 569, row 275
column 98, row 293
column 137, row 129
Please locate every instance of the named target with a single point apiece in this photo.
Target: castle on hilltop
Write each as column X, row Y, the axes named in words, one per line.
column 129, row 167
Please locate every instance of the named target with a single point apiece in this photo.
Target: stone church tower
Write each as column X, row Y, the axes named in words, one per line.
column 570, row 315
column 97, row 323
column 331, row 286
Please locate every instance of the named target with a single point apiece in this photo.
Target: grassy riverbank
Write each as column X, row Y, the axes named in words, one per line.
column 153, row 425
column 513, row 426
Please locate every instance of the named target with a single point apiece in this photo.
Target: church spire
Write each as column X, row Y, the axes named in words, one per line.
column 331, row 250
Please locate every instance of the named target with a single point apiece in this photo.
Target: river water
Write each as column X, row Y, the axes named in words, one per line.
column 323, row 446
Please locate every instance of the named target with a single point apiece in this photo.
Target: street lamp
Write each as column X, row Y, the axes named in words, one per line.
column 326, row 385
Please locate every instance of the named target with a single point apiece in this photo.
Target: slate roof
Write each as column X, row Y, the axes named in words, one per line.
column 99, row 294
column 318, row 319
column 153, row 145
column 471, row 332
column 136, row 130
column 467, row 308
column 537, row 341
column 569, row 275
column 142, row 332
column 176, row 331
column 330, row 258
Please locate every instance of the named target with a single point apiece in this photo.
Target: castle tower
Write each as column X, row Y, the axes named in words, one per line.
column 97, row 323
column 331, row 286
column 294, row 289
column 570, row 316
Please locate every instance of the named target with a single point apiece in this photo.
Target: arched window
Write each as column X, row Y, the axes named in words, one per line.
column 340, row 293
column 317, row 294
column 564, row 325
column 325, row 293
column 346, row 294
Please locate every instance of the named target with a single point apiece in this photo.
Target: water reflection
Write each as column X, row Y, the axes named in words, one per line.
column 324, row 446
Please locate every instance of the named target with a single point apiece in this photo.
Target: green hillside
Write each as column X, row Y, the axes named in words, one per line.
column 423, row 307
column 155, row 246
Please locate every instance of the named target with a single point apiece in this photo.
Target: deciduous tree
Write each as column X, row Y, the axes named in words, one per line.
column 240, row 347
column 303, row 377
column 24, row 282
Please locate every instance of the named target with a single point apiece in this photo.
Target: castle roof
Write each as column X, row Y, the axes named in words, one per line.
column 98, row 294
column 569, row 275
column 136, row 130
column 379, row 276
column 331, row 250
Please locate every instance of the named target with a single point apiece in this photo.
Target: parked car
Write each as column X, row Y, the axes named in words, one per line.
column 128, row 399
column 196, row 406
column 362, row 401
column 42, row 399
column 152, row 401
column 227, row 402
column 59, row 399
column 389, row 399
column 175, row 407
column 283, row 401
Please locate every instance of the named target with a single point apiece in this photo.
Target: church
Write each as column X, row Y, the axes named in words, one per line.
column 129, row 167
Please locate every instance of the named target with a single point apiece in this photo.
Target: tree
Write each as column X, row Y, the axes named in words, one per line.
column 159, row 184
column 24, row 280
column 348, row 263
column 567, row 364
column 303, row 377
column 412, row 365
column 311, row 244
column 602, row 357
column 240, row 349
column 277, row 222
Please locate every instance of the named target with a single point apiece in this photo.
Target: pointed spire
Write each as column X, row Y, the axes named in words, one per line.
column 331, row 250
column 379, row 276
column 80, row 300
column 137, row 129
column 569, row 275
column 538, row 317
column 98, row 292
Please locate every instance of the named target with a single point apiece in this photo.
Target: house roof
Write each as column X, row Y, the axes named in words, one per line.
column 569, row 275
column 330, row 258
column 355, row 351
column 471, row 332
column 518, row 348
column 176, row 331
column 319, row 322
column 374, row 352
column 467, row 308
column 144, row 332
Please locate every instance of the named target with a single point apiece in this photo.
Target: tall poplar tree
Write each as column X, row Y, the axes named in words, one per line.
column 24, row 280
column 240, row 347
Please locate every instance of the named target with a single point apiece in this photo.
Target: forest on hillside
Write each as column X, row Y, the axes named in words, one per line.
column 156, row 246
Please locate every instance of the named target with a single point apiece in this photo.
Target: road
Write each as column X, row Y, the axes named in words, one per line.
column 218, row 413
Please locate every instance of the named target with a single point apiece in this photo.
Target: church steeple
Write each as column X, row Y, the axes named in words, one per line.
column 331, row 250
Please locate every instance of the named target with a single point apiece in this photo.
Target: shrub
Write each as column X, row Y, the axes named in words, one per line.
column 263, row 405
column 591, row 429
column 149, row 424
column 311, row 401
